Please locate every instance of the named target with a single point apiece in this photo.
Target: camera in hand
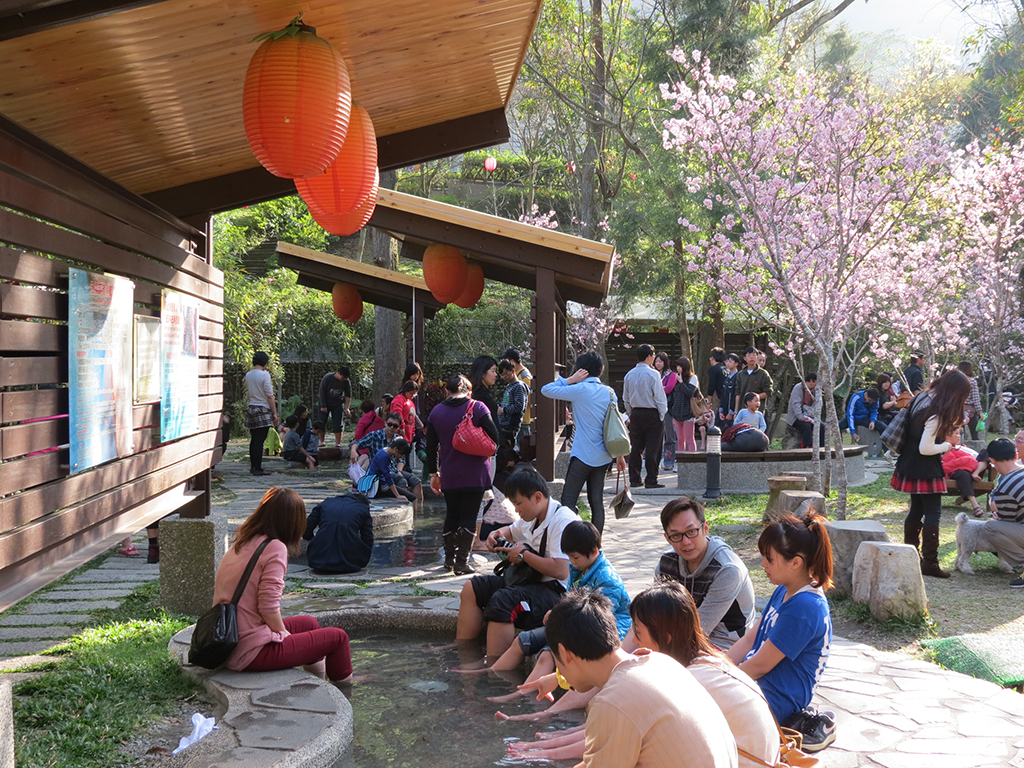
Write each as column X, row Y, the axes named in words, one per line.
column 501, row 543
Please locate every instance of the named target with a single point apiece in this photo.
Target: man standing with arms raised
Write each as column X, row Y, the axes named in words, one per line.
column 646, row 406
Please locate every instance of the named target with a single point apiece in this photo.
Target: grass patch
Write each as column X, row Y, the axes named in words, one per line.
column 915, row 627
column 107, row 682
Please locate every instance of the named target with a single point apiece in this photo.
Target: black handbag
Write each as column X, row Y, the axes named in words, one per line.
column 520, row 574
column 216, row 633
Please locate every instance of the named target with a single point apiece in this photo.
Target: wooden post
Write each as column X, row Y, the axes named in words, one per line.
column 417, row 327
column 544, row 416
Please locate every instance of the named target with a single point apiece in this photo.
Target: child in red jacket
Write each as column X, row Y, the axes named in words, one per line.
column 961, row 464
column 403, row 404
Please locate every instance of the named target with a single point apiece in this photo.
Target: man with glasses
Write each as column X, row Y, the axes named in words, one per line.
column 382, row 438
column 714, row 575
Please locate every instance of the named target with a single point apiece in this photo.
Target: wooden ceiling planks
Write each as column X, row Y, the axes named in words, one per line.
column 151, row 97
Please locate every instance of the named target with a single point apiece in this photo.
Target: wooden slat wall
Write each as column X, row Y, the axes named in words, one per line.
column 48, row 223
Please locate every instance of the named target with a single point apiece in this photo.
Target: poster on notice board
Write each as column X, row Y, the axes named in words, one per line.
column 100, row 312
column 179, row 344
column 147, row 359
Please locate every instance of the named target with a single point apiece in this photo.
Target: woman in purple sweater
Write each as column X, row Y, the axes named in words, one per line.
column 462, row 478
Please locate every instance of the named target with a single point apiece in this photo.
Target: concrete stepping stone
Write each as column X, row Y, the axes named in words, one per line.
column 110, row 574
column 72, row 587
column 277, row 729
column 240, row 757
column 44, row 620
column 72, row 606
column 246, row 681
column 23, row 648
column 128, row 564
column 300, row 697
column 86, row 594
column 36, row 633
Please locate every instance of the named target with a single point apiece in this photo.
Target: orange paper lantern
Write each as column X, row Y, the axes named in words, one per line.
column 296, row 103
column 347, row 183
column 354, row 317
column 474, row 287
column 445, row 272
column 347, row 301
column 351, row 222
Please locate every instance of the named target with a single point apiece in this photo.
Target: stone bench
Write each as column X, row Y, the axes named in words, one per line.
column 288, row 717
column 887, row 577
column 871, row 440
column 846, row 537
column 749, row 472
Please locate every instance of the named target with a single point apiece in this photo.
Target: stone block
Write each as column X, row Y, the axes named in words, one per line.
column 561, row 464
column 872, row 440
column 190, row 551
column 846, row 536
column 6, row 726
column 775, row 486
column 752, row 476
column 799, row 502
column 887, row 577
column 790, row 438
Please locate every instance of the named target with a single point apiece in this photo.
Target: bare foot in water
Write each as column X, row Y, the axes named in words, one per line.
column 529, row 716
column 507, row 698
column 469, row 671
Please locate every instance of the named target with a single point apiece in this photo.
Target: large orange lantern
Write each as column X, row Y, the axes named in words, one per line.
column 474, row 287
column 347, row 223
column 296, row 102
column 347, row 183
column 347, row 301
column 354, row 317
column 445, row 272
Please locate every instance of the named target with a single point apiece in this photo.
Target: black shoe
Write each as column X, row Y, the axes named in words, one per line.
column 818, row 728
column 656, row 485
column 260, row 472
column 636, row 485
column 1017, row 583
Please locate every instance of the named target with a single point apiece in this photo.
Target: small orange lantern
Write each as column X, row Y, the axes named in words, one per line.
column 346, row 300
column 445, row 272
column 347, row 183
column 296, row 102
column 474, row 287
column 351, row 222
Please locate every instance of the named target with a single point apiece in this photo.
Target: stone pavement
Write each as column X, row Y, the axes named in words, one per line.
column 892, row 710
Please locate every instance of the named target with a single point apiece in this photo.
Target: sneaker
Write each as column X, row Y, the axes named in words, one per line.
column 818, row 728
column 1017, row 583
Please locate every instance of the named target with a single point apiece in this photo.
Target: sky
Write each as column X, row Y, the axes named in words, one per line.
column 939, row 19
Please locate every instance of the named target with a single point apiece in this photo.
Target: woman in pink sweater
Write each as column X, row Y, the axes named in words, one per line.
column 266, row 641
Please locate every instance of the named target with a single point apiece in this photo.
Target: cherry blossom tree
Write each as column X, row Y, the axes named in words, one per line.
column 986, row 195
column 831, row 224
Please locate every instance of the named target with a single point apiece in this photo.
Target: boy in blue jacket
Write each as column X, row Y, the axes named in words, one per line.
column 588, row 568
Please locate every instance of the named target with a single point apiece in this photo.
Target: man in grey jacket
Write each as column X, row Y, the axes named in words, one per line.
column 714, row 575
column 646, row 406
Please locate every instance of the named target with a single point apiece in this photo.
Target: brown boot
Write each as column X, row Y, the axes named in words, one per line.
column 912, row 533
column 930, row 553
column 450, row 544
column 463, row 549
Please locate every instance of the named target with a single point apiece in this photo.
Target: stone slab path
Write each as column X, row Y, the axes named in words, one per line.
column 892, row 710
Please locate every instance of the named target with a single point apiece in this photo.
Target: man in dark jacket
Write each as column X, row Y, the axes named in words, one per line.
column 716, row 375
column 340, row 534
column 754, row 379
column 913, row 373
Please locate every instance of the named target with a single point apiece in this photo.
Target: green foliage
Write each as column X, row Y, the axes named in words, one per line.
column 501, row 319
column 108, row 682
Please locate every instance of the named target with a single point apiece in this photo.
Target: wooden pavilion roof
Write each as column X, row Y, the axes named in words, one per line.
column 149, row 92
column 508, row 251
column 381, row 287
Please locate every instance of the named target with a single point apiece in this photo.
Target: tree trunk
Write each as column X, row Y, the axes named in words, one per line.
column 592, row 153
column 826, row 382
column 389, row 347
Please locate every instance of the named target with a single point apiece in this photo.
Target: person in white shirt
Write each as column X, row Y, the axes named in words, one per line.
column 646, row 406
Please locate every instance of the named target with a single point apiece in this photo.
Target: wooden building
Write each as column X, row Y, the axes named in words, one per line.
column 120, row 136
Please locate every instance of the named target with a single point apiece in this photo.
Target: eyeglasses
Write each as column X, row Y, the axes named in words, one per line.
column 393, row 425
column 692, row 533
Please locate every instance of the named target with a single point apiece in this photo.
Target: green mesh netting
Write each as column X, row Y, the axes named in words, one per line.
column 996, row 658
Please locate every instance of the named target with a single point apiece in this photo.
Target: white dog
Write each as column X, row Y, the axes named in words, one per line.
column 971, row 538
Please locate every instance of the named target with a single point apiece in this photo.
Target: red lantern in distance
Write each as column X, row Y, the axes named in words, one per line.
column 351, row 222
column 347, row 183
column 490, row 164
column 348, row 304
column 474, row 287
column 445, row 272
column 296, row 102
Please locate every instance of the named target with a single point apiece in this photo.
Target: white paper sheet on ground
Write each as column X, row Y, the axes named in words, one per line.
column 201, row 726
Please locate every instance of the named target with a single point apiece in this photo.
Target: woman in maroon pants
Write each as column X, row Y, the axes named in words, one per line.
column 266, row 641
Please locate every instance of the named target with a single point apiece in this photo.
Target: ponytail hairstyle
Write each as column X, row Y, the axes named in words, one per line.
column 670, row 615
column 807, row 538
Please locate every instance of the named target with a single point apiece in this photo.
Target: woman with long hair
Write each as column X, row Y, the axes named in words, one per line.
column 682, row 416
column 461, row 477
column 887, row 398
column 266, row 641
column 934, row 414
column 665, row 620
column 663, row 365
column 483, row 373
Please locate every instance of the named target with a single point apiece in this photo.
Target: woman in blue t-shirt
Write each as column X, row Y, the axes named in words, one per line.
column 787, row 651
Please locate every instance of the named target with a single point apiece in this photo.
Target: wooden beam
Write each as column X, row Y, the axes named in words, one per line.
column 544, row 371
column 256, row 185
column 26, row 17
